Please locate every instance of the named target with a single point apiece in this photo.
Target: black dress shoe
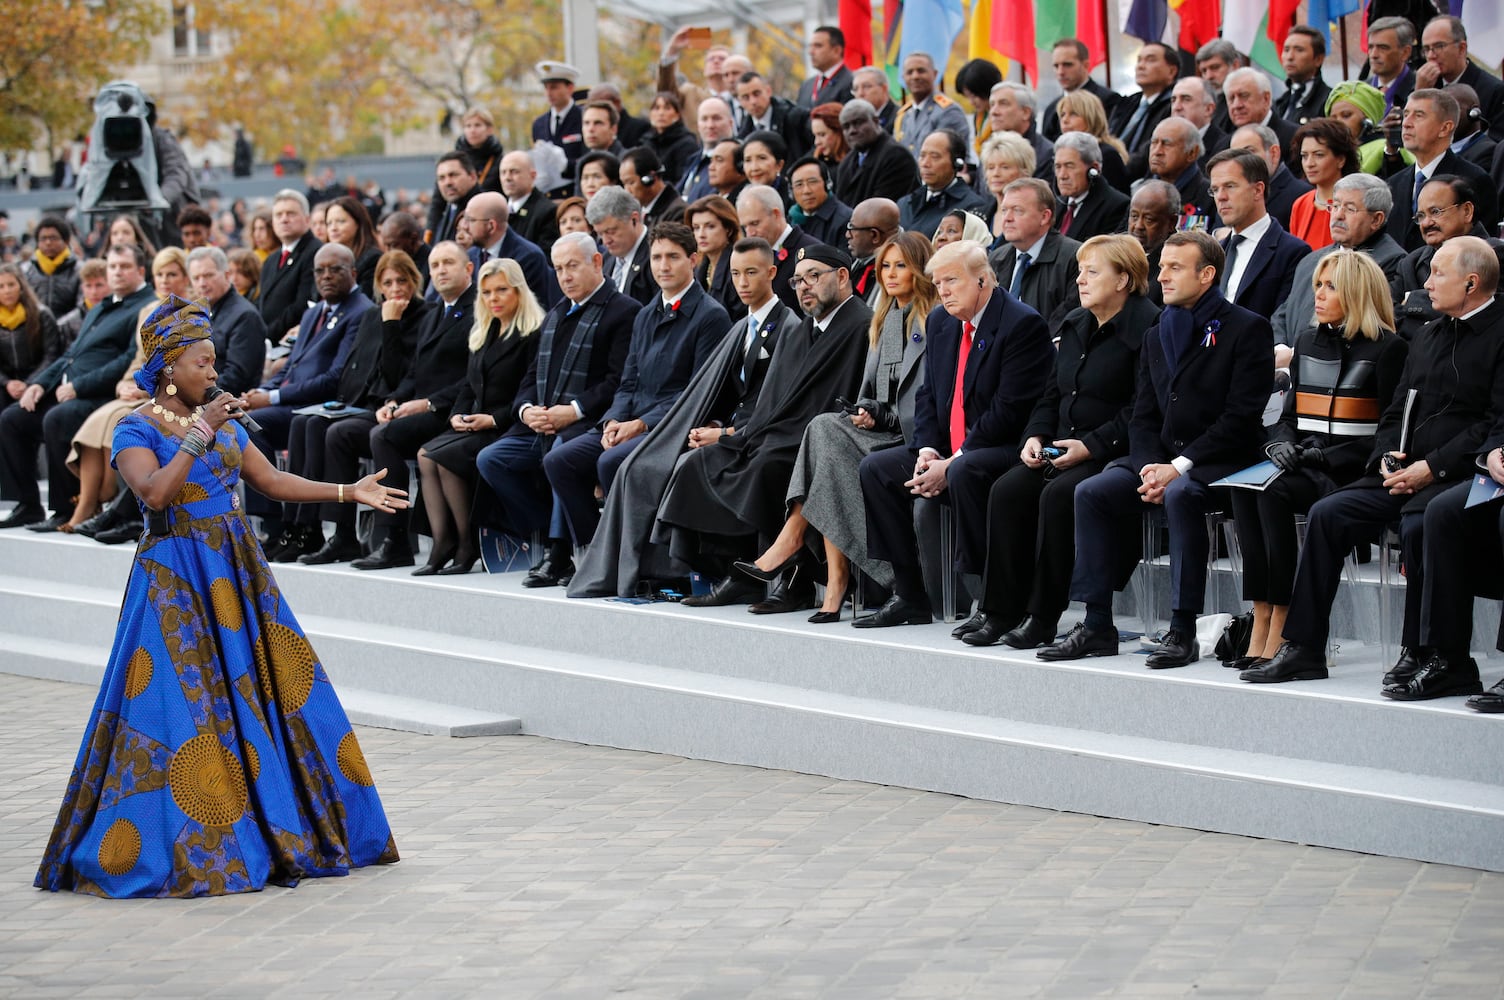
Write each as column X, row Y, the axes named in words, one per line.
column 394, row 552
column 1245, row 662
column 460, row 566
column 551, row 572
column 989, row 633
column 896, row 612
column 24, row 513
column 751, row 569
column 1411, row 659
column 1293, row 662
column 51, row 524
column 1179, row 649
column 1438, row 677
column 795, row 592
column 1031, row 632
column 830, row 618
column 436, row 562
column 1082, row 642
column 103, row 521
column 303, row 541
column 335, row 550
column 1490, row 701
column 276, row 545
column 970, row 625
column 125, row 531
column 730, row 590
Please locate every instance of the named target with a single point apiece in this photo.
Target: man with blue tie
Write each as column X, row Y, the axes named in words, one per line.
column 1203, row 379
column 984, row 369
column 1430, row 119
column 1038, row 265
column 311, row 374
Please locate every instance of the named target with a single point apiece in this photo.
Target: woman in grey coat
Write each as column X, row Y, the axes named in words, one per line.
column 824, row 494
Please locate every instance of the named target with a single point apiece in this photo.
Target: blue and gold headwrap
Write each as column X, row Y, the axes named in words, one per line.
column 169, row 331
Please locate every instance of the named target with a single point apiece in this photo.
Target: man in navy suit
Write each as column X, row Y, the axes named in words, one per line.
column 1430, row 121
column 582, row 349
column 311, row 374
column 561, row 124
column 1260, row 256
column 671, row 338
column 1204, row 376
column 486, row 219
column 287, row 287
column 984, row 368
column 616, row 218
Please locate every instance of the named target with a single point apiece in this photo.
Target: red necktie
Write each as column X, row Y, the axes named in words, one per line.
column 819, row 84
column 282, row 261
column 1069, row 216
column 958, row 394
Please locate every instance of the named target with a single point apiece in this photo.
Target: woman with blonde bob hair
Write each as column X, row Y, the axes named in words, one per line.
column 1082, row 111
column 1006, row 157
column 502, row 346
column 824, row 492
column 1343, row 374
column 1079, row 425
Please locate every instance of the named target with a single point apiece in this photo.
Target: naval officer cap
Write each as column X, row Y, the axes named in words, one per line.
column 548, row 71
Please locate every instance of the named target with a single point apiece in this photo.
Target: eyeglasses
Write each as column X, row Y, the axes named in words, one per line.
column 1434, row 214
column 1435, row 47
column 810, row 278
column 876, row 232
column 808, row 182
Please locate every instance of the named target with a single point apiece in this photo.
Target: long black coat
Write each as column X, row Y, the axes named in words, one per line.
column 380, row 355
column 239, row 342
column 887, row 172
column 286, row 292
column 492, row 375
column 437, row 367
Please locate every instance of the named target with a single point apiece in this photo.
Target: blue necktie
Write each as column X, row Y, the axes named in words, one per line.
column 1420, row 182
column 1018, row 275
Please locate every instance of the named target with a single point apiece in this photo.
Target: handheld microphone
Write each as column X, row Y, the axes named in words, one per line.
column 243, row 418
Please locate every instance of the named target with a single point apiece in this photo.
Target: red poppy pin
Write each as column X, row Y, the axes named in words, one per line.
column 783, row 254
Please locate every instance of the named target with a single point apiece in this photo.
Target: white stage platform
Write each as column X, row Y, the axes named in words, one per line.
column 1328, row 763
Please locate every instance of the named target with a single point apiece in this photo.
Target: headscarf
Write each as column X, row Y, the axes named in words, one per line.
column 169, row 331
column 972, row 227
column 1366, row 98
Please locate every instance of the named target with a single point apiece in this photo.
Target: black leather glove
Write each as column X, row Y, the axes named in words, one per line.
column 1314, row 458
column 1284, row 454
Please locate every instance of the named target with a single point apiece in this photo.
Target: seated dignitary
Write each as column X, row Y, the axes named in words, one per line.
column 616, row 218
column 487, row 221
column 726, row 501
column 763, row 157
column 671, row 338
column 1203, row 379
column 418, row 408
column 311, row 374
column 1360, row 204
column 873, row 223
column 959, row 224
column 987, row 359
column 1327, row 154
column 1261, row 257
column 1006, row 157
column 1092, row 207
column 1446, row 212
column 1010, row 108
column 1429, row 120
column 287, row 284
column 1342, row 376
column 941, row 159
column 1456, row 368
column 877, row 166
column 760, row 210
column 501, row 350
column 58, row 399
column 582, row 347
column 529, row 210
column 643, row 176
column 1079, row 425
column 1084, row 112
column 332, row 442
column 1464, row 556
column 1175, row 156
column 718, row 400
column 1283, row 186
column 824, row 494
column 818, row 212
column 1152, row 216
column 239, row 333
column 1038, row 266
column 713, row 221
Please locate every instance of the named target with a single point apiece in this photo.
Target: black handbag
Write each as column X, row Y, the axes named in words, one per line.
column 1233, row 642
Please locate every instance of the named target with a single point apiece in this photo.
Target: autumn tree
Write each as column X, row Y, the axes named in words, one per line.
column 54, row 57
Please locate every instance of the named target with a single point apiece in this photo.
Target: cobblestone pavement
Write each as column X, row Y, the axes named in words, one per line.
column 534, row 868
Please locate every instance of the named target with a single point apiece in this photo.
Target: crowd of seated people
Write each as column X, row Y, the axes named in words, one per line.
column 770, row 343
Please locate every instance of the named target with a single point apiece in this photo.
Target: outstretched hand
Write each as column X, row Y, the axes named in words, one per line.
column 370, row 492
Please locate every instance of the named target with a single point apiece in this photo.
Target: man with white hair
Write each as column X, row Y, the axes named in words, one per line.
column 287, row 275
column 239, row 333
column 1092, row 206
column 986, row 363
column 759, row 208
column 616, row 217
column 1011, row 107
column 870, row 84
column 715, row 123
column 1250, row 101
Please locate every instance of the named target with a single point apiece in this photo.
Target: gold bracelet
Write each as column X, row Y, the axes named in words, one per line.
column 341, row 492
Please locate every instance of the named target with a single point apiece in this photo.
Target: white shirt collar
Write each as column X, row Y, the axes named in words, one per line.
column 760, row 315
column 1034, row 250
column 1430, row 168
column 787, row 229
column 823, row 324
column 1471, row 313
column 1254, row 231
column 669, row 300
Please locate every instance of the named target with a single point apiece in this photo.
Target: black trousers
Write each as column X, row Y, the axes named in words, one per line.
column 1031, row 541
column 574, row 468
column 393, row 445
column 1266, row 532
column 1352, row 516
column 1464, row 557
column 328, row 450
column 890, row 510
column 276, row 427
column 52, row 425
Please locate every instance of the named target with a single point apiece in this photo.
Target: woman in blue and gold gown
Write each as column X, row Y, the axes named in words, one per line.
column 217, row 758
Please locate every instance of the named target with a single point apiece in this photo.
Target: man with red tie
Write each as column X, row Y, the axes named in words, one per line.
column 831, row 81
column 287, row 276
column 985, row 367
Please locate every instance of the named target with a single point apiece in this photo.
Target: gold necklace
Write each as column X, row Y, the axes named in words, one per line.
column 188, row 421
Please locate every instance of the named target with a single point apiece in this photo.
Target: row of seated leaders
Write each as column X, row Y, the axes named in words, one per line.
column 805, row 427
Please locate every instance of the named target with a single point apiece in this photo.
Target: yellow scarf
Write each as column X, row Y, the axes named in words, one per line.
column 261, row 254
column 13, row 318
column 47, row 264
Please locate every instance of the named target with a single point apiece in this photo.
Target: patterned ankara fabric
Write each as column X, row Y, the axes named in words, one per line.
column 166, row 333
column 217, row 758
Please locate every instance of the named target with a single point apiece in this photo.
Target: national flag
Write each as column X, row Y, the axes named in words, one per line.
column 1246, row 25
column 1281, row 20
column 1146, row 20
column 930, row 26
column 856, row 25
column 979, row 37
column 1013, row 32
column 1321, row 13
column 1091, row 28
column 1200, row 21
column 1485, row 30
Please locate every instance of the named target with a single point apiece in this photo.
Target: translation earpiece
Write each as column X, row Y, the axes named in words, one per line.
column 1469, row 286
column 982, row 284
column 1092, row 173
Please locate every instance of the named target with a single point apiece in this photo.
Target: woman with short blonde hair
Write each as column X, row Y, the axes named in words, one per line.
column 1006, row 157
